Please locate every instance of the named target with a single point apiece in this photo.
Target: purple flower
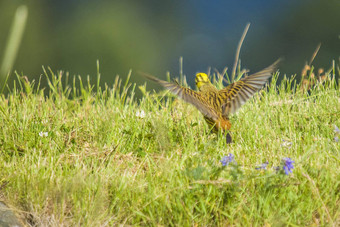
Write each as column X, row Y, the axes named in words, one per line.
column 288, row 165
column 262, row 166
column 226, row 160
column 337, row 131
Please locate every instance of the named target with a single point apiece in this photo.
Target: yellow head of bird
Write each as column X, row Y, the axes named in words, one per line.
column 201, row 80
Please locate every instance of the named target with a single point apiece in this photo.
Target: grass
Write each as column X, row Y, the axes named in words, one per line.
column 77, row 157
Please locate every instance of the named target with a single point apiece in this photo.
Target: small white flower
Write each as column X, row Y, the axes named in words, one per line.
column 43, row 134
column 140, row 114
column 286, row 143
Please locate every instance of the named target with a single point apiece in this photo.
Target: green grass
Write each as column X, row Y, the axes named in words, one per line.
column 82, row 158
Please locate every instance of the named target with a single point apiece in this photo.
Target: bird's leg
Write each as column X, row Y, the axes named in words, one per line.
column 228, row 138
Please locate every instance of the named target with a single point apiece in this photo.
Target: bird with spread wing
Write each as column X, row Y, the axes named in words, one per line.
column 216, row 105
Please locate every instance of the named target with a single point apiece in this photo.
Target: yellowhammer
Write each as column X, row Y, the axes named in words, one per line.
column 214, row 104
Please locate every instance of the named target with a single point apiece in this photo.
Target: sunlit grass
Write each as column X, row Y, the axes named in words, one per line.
column 80, row 157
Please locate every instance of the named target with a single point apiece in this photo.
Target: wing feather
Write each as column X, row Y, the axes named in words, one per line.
column 187, row 95
column 237, row 93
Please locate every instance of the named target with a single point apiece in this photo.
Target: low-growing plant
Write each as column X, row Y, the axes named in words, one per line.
column 98, row 156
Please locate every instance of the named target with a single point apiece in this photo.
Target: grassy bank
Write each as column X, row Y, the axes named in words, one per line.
column 82, row 158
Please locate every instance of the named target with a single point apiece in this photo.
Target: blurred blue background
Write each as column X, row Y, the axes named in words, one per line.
column 150, row 36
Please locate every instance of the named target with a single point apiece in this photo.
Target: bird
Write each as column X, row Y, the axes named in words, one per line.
column 217, row 105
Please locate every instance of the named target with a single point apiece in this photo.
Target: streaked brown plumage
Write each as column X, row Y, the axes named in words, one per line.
column 214, row 104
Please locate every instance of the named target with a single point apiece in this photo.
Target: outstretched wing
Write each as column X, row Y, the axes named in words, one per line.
column 237, row 93
column 187, row 95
